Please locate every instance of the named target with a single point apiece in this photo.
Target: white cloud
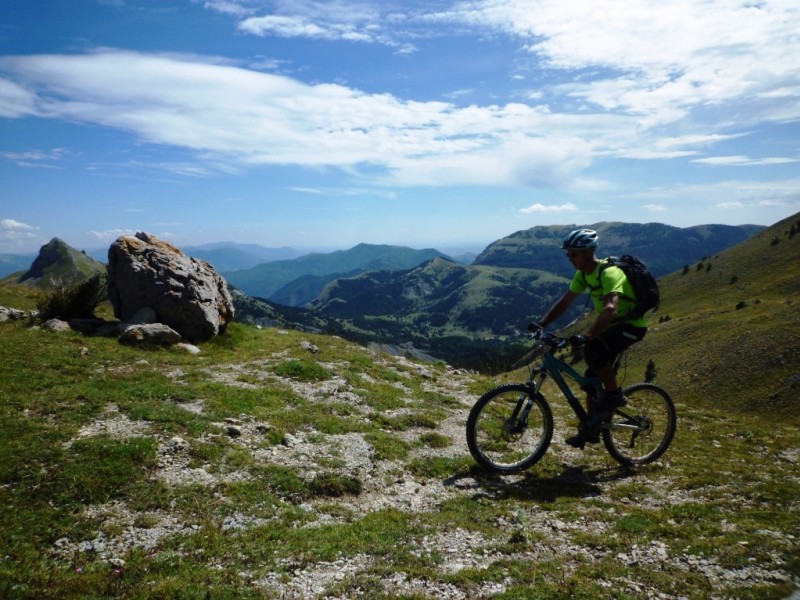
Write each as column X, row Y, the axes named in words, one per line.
column 655, row 207
column 744, row 161
column 228, row 8
column 666, row 57
column 730, row 205
column 110, row 235
column 629, row 72
column 15, row 100
column 36, row 158
column 232, row 116
column 332, row 20
column 15, row 235
column 552, row 208
column 14, row 227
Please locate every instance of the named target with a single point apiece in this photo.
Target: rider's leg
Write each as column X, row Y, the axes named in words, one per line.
column 600, row 355
column 607, row 376
column 601, row 352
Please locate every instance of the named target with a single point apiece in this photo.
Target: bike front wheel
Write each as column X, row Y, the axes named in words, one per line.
column 509, row 428
column 642, row 430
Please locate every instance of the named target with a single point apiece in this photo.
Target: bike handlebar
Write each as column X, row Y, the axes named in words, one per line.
column 557, row 342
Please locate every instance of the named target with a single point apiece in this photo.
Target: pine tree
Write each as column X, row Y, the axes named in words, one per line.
column 650, row 372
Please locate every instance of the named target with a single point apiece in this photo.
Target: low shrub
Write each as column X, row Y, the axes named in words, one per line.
column 72, row 300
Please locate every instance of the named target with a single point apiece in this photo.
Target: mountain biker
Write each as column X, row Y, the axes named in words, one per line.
column 609, row 335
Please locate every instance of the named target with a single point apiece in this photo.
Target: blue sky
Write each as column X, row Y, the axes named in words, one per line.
column 447, row 124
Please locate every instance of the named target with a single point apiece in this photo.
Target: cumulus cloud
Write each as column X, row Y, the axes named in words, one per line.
column 14, row 234
column 660, row 59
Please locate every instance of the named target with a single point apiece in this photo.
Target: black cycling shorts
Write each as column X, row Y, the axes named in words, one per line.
column 606, row 347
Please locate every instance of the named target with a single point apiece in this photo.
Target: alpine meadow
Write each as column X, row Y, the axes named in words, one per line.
column 289, row 462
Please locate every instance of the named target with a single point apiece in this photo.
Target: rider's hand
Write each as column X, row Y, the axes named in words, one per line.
column 535, row 327
column 578, row 340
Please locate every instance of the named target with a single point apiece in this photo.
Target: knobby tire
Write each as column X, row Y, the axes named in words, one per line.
column 640, row 432
column 497, row 437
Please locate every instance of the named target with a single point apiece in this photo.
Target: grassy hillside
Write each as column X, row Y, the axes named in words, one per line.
column 285, row 465
column 664, row 248
column 461, row 314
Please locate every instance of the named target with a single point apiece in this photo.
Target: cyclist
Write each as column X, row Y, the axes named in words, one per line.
column 609, row 335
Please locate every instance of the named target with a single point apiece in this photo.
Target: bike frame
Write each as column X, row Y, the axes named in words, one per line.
column 556, row 368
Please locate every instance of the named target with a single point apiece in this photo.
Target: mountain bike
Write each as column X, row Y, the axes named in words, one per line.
column 510, row 427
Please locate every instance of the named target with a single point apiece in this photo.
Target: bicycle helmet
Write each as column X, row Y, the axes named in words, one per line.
column 580, row 239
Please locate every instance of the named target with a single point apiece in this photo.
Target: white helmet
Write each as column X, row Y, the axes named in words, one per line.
column 580, row 239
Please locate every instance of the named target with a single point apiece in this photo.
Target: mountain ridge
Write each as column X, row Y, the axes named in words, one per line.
column 266, row 279
column 663, row 247
column 58, row 262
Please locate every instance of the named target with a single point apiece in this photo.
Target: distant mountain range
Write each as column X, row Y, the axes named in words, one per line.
column 298, row 281
column 423, row 298
column 453, row 310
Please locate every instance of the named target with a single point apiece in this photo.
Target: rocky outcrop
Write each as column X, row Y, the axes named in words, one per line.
column 185, row 293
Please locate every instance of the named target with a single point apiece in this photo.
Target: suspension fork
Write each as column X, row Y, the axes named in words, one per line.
column 525, row 402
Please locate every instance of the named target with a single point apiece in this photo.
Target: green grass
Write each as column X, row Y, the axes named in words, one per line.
column 374, row 484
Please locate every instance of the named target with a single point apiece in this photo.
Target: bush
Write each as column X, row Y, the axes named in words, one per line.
column 70, row 300
column 651, row 371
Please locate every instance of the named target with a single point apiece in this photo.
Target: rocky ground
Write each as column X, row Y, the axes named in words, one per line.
column 384, row 488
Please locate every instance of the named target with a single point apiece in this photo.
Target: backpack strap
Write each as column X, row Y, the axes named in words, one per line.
column 632, row 314
column 603, row 266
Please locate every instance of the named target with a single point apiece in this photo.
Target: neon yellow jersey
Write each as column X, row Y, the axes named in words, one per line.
column 613, row 281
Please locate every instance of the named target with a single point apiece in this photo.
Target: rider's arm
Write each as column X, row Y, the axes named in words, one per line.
column 558, row 309
column 606, row 316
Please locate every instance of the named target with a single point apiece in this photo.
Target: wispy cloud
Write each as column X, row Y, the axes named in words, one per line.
column 227, row 7
column 666, row 57
column 331, row 20
column 654, row 65
column 227, row 114
column 552, row 208
column 110, row 235
column 744, row 161
column 37, row 158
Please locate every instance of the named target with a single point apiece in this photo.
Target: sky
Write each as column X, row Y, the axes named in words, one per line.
column 423, row 123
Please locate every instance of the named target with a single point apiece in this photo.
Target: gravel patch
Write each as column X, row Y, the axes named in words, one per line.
column 386, row 485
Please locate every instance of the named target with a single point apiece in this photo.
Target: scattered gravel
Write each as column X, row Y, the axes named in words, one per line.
column 387, row 485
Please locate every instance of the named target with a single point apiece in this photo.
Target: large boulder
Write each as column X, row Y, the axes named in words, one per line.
column 185, row 293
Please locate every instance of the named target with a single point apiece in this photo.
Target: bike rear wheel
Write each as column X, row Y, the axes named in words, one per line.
column 642, row 430
column 509, row 428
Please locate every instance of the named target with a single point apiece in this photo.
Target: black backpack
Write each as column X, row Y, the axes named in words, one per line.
column 644, row 284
